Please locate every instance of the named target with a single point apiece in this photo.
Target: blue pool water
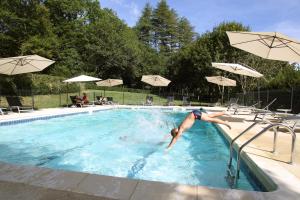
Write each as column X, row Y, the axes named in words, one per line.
column 124, row 143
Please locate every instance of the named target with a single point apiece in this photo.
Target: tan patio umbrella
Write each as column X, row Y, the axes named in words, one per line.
column 110, row 83
column 156, row 81
column 269, row 45
column 221, row 81
column 24, row 64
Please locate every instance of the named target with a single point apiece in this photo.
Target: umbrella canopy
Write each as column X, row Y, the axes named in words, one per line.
column 155, row 80
column 81, row 78
column 220, row 80
column 269, row 45
column 23, row 64
column 237, row 69
column 110, row 82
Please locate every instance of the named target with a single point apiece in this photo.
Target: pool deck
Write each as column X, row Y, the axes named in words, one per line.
column 29, row 182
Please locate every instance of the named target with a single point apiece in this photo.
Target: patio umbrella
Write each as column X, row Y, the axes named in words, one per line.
column 241, row 70
column 269, row 45
column 110, row 83
column 221, row 81
column 237, row 69
column 156, row 81
column 80, row 79
column 24, row 64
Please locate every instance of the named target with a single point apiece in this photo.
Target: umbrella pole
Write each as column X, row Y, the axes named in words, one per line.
column 67, row 94
column 79, row 88
column 228, row 94
column 32, row 97
column 158, row 95
column 123, row 93
column 292, row 96
column 222, row 94
column 258, row 93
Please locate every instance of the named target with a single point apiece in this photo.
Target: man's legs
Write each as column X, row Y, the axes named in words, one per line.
column 212, row 115
column 206, row 117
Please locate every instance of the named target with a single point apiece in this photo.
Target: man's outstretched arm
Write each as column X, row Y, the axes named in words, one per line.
column 174, row 139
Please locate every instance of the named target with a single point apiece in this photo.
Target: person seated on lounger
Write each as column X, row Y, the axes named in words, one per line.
column 85, row 99
column 190, row 120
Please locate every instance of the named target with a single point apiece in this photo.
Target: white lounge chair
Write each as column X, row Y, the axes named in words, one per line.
column 262, row 113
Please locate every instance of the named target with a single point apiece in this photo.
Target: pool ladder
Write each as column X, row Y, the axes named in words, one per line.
column 233, row 175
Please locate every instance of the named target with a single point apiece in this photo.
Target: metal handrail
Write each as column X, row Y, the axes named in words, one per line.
column 276, row 125
column 239, row 135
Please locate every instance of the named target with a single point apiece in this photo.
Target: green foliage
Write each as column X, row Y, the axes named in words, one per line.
column 288, row 77
column 45, row 84
column 163, row 30
column 185, row 32
column 144, row 26
column 189, row 67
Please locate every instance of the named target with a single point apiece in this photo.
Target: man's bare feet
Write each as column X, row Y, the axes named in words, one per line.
column 227, row 113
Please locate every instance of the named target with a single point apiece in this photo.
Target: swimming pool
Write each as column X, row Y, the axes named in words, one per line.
column 125, row 143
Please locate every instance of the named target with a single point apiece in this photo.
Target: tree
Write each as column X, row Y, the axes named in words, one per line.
column 22, row 22
column 144, row 26
column 189, row 67
column 185, row 32
column 164, row 25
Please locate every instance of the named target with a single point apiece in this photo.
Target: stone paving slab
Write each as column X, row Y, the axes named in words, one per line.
column 148, row 190
column 107, row 186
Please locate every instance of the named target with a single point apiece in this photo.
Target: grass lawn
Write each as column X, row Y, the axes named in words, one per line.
column 127, row 98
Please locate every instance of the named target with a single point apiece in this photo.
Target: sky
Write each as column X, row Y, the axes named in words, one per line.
column 260, row 15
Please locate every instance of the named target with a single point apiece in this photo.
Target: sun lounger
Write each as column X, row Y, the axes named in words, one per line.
column 3, row 111
column 262, row 113
column 149, row 101
column 100, row 100
column 238, row 108
column 15, row 103
column 110, row 101
column 170, row 101
column 186, row 101
column 233, row 103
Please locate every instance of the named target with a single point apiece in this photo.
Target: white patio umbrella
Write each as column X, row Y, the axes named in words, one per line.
column 110, row 83
column 241, row 70
column 237, row 69
column 80, row 79
column 24, row 64
column 221, row 81
column 269, row 45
